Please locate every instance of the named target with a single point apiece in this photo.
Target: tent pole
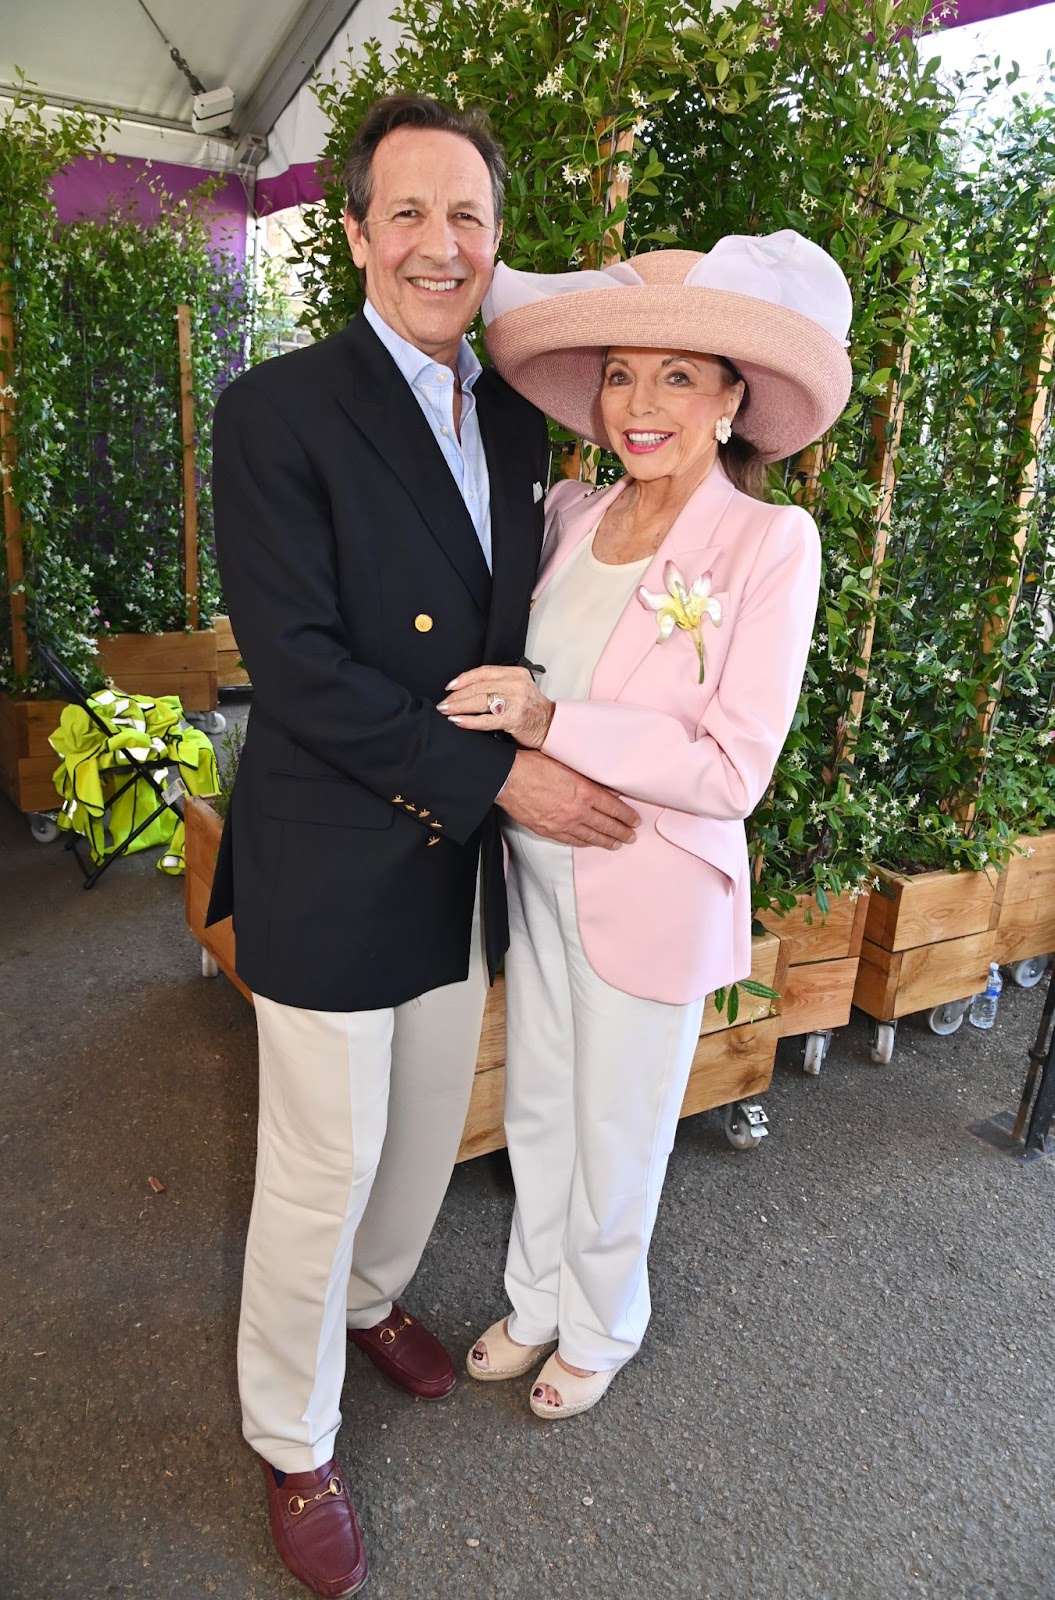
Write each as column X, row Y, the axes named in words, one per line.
column 190, row 498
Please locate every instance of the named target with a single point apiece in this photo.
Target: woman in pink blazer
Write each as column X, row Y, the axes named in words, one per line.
column 671, row 624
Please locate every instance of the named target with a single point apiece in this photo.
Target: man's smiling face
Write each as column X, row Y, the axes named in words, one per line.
column 428, row 241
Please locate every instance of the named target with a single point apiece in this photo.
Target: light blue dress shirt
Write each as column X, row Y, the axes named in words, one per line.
column 433, row 388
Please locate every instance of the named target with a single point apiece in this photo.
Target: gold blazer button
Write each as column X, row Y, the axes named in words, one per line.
column 423, row 622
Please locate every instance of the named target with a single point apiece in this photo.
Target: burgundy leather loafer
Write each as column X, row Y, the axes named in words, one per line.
column 407, row 1354
column 314, row 1528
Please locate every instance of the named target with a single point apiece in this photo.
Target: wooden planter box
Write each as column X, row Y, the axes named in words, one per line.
column 1026, row 925
column 229, row 675
column 163, row 663
column 203, row 829
column 731, row 1063
column 927, row 940
column 27, row 760
column 823, row 955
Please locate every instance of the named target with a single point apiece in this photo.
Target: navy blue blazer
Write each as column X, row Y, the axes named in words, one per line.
column 357, row 589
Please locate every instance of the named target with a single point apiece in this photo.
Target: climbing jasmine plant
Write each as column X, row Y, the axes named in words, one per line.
column 962, row 724
column 32, row 150
column 119, row 501
column 94, row 381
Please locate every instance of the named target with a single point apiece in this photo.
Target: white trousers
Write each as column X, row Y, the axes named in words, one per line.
column 361, row 1115
column 595, row 1079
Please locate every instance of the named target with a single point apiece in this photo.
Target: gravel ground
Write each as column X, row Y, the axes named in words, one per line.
column 842, row 1395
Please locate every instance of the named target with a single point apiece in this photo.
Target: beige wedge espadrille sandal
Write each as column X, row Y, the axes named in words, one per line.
column 505, row 1359
column 576, row 1394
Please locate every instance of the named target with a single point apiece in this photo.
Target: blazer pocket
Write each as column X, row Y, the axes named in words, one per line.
column 722, row 845
column 331, row 801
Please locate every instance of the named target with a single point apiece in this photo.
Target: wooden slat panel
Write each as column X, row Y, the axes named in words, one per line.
column 197, row 690
column 825, row 938
column 484, row 1128
column 881, row 918
column 121, row 653
column 39, row 719
column 1026, row 928
column 34, row 784
column 163, row 663
column 931, row 907
column 951, row 970
column 228, row 672
column 818, row 995
column 203, row 829
column 492, row 1052
column 1030, row 877
column 893, row 984
column 765, row 959
column 733, row 1065
column 219, row 939
column 860, row 921
column 875, row 987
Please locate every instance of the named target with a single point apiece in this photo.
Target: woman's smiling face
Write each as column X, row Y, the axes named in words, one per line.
column 660, row 408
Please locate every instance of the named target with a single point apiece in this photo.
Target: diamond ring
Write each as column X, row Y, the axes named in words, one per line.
column 495, row 704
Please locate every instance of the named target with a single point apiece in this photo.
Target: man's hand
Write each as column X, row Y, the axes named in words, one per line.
column 560, row 804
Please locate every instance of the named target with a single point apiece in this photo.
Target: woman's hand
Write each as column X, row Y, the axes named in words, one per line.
column 489, row 698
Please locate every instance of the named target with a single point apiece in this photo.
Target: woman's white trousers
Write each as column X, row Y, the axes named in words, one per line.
column 595, row 1080
column 361, row 1115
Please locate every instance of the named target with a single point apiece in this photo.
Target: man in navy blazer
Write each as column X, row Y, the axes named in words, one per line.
column 379, row 515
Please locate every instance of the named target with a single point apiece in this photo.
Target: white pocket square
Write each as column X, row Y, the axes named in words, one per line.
column 536, row 492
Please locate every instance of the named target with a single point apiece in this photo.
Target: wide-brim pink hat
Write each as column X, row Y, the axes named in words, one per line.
column 777, row 307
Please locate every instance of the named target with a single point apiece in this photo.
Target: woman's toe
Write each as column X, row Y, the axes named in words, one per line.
column 547, row 1395
column 479, row 1356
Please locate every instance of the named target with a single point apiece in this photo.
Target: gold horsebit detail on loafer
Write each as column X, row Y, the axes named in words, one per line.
column 298, row 1504
column 390, row 1335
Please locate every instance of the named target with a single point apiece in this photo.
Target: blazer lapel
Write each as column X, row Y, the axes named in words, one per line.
column 381, row 404
column 514, row 542
column 690, row 544
column 576, row 523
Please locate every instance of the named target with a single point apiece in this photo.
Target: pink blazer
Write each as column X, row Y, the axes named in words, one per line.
column 669, row 916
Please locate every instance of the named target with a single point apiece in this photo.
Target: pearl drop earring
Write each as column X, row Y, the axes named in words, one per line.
column 723, row 430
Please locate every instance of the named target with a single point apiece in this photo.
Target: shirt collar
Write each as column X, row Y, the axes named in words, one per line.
column 414, row 363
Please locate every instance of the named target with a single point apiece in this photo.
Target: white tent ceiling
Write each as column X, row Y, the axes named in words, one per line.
column 116, row 56
column 109, row 55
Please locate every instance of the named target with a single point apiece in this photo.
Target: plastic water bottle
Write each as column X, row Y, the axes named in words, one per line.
column 983, row 1007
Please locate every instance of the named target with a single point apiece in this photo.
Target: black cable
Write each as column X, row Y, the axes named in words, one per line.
column 191, row 77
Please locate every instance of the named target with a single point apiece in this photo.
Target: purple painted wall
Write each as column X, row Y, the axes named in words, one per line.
column 92, row 186
column 296, row 186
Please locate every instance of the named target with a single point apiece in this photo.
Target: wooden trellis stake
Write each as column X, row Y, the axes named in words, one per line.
column 190, row 496
column 617, row 191
column 1029, row 421
column 887, row 419
column 8, row 460
column 888, row 415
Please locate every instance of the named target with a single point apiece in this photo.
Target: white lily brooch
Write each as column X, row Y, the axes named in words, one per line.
column 682, row 606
